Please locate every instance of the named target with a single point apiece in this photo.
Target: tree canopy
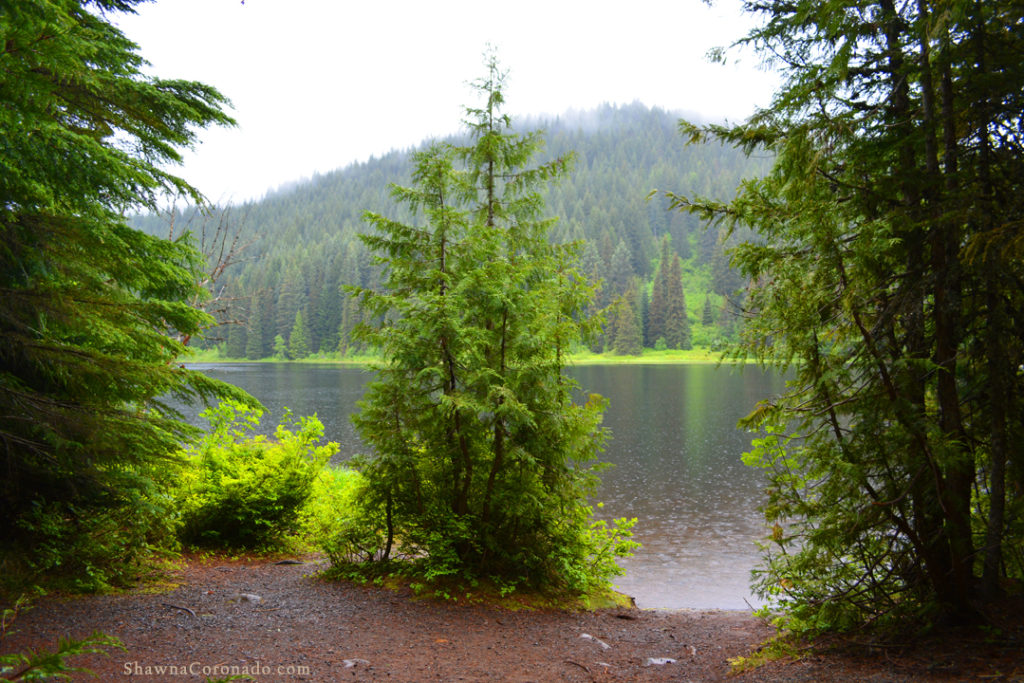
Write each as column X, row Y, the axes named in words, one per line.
column 89, row 308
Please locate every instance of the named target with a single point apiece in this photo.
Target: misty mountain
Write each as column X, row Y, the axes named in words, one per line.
column 304, row 246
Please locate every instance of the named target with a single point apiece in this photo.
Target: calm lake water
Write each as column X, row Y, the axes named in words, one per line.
column 675, row 448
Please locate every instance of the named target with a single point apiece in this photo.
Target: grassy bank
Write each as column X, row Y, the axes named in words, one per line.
column 648, row 357
column 215, row 356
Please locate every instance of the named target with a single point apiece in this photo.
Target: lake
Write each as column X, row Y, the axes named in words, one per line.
column 675, row 448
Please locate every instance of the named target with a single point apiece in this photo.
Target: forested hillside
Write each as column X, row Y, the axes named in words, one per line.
column 284, row 296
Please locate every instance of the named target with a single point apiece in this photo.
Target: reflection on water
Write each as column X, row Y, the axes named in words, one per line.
column 328, row 391
column 677, row 469
column 676, row 452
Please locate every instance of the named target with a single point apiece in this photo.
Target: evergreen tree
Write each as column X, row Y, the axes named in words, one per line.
column 887, row 270
column 677, row 323
column 280, row 348
column 707, row 316
column 311, row 308
column 234, row 346
column 298, row 340
column 659, row 293
column 725, row 280
column 253, row 336
column 290, row 299
column 311, row 229
column 329, row 312
column 481, row 463
column 626, row 339
column 268, row 319
column 350, row 318
column 621, row 270
column 90, row 310
column 643, row 313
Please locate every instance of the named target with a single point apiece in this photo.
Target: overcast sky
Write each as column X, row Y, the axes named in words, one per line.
column 319, row 84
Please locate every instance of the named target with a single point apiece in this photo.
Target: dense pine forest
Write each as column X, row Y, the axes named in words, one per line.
column 666, row 279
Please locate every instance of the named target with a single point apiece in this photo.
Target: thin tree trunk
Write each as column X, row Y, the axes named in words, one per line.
column 945, row 290
column 498, row 463
column 998, row 365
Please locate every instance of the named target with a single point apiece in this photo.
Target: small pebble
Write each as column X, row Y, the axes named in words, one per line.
column 659, row 661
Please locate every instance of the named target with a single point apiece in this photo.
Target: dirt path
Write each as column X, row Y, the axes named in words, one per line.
column 288, row 625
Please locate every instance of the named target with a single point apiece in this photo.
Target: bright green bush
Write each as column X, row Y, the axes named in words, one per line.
column 331, row 504
column 246, row 491
column 359, row 532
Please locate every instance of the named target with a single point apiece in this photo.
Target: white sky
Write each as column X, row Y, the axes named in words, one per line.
column 319, row 84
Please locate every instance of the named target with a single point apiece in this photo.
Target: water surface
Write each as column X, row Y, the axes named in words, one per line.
column 675, row 448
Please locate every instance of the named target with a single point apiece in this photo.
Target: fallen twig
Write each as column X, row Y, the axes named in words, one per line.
column 582, row 666
column 183, row 609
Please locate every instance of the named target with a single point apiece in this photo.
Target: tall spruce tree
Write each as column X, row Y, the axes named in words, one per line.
column 659, row 286
column 90, row 310
column 482, row 461
column 887, row 276
column 677, row 322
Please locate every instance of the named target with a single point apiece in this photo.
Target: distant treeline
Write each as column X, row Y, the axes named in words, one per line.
column 283, row 294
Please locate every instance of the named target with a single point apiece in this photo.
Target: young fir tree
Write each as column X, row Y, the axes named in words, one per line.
column 626, row 339
column 280, row 348
column 298, row 340
column 482, row 461
column 707, row 315
column 90, row 310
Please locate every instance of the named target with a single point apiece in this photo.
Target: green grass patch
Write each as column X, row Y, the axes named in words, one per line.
column 783, row 646
column 698, row 355
column 649, row 357
column 216, row 356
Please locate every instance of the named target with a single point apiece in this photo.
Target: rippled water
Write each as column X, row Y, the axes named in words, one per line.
column 676, row 452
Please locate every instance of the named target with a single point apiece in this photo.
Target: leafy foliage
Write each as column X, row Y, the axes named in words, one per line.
column 482, row 460
column 335, row 495
column 896, row 493
column 248, row 492
column 90, row 309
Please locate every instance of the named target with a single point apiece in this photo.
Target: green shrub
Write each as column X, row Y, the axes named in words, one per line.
column 360, row 530
column 580, row 555
column 89, row 552
column 91, row 548
column 331, row 504
column 244, row 491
